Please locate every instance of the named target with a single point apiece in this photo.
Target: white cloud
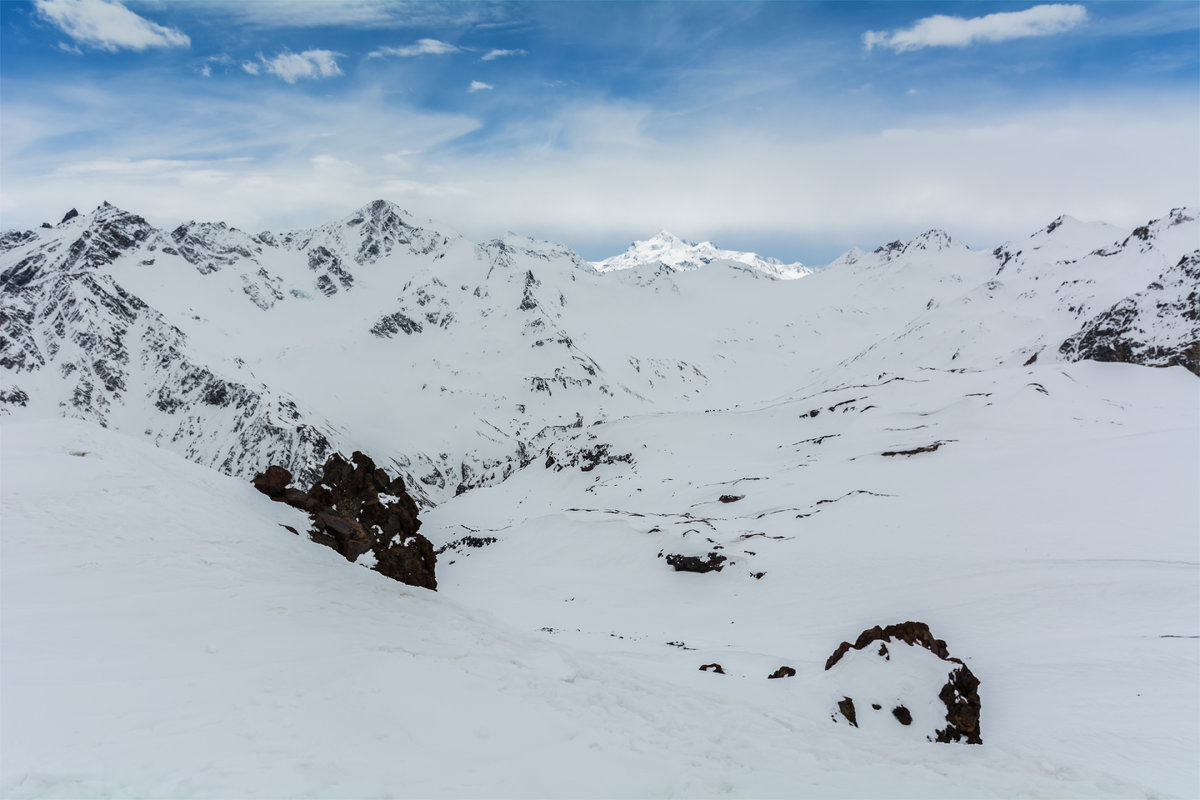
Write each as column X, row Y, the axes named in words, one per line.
column 108, row 25
column 599, row 172
column 423, row 47
column 944, row 31
column 292, row 67
column 479, row 86
column 359, row 14
column 492, row 55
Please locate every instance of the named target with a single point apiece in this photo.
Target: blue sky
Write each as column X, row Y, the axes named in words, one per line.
column 796, row 129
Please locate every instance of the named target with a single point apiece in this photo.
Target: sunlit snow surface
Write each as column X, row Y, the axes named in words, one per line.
column 899, row 452
column 164, row 635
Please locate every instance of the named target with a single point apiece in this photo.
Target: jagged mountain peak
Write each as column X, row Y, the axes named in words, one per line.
column 380, row 214
column 1157, row 227
column 665, row 237
column 82, row 242
column 368, row 234
column 934, row 239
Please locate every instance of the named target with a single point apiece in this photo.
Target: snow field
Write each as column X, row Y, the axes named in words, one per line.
column 164, row 635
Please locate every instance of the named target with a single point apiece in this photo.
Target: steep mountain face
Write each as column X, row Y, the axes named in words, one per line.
column 76, row 343
column 1025, row 299
column 240, row 350
column 669, row 250
column 1158, row 326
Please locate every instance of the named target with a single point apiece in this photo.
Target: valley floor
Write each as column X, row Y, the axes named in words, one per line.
column 164, row 635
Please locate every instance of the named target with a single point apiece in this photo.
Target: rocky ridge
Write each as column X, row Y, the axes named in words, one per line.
column 360, row 512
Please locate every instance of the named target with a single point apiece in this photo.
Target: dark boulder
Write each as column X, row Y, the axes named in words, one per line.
column 947, row 678
column 357, row 509
column 846, row 706
column 783, row 672
column 273, row 482
column 713, row 562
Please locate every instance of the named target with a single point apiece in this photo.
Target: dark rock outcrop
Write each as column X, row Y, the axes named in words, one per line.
column 715, row 667
column 273, row 482
column 730, row 498
column 357, row 509
column 713, row 562
column 1156, row 327
column 846, row 706
column 783, row 672
column 959, row 694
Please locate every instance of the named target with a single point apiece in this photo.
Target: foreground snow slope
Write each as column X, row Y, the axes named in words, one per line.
column 1048, row 532
column 164, row 635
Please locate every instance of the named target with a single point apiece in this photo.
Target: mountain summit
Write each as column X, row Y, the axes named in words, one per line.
column 671, row 251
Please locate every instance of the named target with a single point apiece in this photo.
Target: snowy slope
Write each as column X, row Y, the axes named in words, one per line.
column 1038, row 519
column 1023, row 300
column 163, row 635
column 667, row 249
column 908, row 433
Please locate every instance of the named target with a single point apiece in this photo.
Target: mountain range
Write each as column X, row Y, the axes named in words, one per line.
column 651, row 483
column 236, row 350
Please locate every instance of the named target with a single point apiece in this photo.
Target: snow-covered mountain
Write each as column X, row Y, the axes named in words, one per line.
column 668, row 250
column 237, row 349
column 631, row 472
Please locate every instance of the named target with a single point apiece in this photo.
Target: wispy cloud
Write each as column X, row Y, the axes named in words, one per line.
column 492, row 55
column 945, row 31
column 292, row 67
column 108, row 25
column 206, row 66
column 359, row 14
column 479, row 86
column 423, row 47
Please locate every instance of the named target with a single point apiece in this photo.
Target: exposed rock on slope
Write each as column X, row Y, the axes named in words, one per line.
column 869, row 673
column 1156, row 327
column 73, row 336
column 363, row 514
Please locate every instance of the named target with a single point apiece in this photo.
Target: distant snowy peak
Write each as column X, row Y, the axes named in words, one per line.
column 678, row 254
column 1066, row 238
column 932, row 241
column 367, row 235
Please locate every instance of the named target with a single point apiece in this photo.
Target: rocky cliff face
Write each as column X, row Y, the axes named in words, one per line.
column 76, row 341
column 1157, row 327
